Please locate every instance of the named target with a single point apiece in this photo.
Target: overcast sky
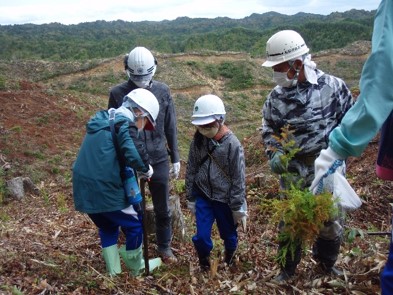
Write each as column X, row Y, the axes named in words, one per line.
column 78, row 11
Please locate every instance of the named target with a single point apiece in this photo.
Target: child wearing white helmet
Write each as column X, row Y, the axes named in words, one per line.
column 215, row 180
column 98, row 178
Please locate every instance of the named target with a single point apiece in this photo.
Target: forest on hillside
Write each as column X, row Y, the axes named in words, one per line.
column 102, row 39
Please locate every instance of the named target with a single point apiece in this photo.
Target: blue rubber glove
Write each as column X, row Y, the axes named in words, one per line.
column 276, row 163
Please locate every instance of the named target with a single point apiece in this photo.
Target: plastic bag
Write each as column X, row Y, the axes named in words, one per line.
column 337, row 184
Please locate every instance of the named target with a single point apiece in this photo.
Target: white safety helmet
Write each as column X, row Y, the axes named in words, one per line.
column 284, row 46
column 145, row 101
column 140, row 64
column 207, row 109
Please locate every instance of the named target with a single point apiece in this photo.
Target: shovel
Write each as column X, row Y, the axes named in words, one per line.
column 144, row 227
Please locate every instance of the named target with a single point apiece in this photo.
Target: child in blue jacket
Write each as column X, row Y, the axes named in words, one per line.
column 97, row 183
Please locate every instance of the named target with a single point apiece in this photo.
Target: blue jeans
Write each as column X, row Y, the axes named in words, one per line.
column 206, row 212
column 108, row 224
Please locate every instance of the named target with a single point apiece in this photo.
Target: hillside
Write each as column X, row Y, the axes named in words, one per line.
column 48, row 248
column 101, row 39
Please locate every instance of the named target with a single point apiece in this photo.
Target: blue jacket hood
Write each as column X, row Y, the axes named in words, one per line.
column 101, row 121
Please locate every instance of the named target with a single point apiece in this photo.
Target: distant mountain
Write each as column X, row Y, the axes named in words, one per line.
column 102, row 39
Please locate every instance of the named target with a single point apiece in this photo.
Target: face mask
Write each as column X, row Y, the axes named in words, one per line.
column 142, row 84
column 281, row 78
column 208, row 132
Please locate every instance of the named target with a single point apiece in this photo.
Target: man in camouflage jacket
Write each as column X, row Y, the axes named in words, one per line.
column 311, row 104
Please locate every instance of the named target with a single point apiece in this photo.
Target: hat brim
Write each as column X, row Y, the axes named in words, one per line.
column 270, row 64
column 202, row 120
column 141, row 78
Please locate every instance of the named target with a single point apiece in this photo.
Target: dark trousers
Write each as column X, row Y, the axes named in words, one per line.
column 325, row 249
column 327, row 246
column 108, row 224
column 159, row 189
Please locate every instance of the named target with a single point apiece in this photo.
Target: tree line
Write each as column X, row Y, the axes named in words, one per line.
column 102, row 39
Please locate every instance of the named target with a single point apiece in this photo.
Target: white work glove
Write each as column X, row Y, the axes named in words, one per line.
column 326, row 160
column 240, row 216
column 191, row 207
column 146, row 175
column 330, row 176
column 175, row 170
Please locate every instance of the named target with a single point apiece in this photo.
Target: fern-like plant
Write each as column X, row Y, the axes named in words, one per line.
column 302, row 212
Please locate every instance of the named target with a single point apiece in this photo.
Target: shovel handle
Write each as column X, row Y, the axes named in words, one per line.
column 144, row 226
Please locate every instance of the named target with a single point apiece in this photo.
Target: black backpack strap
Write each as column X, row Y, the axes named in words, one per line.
column 120, row 157
column 209, row 152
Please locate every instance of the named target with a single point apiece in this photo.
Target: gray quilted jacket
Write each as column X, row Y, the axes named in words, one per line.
column 220, row 177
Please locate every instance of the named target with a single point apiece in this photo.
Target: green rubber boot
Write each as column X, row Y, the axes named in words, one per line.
column 112, row 260
column 134, row 261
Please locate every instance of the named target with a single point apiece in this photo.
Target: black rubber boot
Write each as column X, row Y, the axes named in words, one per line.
column 333, row 271
column 229, row 257
column 326, row 252
column 282, row 277
column 204, row 262
column 288, row 270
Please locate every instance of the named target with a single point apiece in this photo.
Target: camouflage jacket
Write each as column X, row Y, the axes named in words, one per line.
column 312, row 111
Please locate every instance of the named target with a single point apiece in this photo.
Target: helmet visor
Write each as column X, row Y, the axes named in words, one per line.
column 203, row 120
column 141, row 78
